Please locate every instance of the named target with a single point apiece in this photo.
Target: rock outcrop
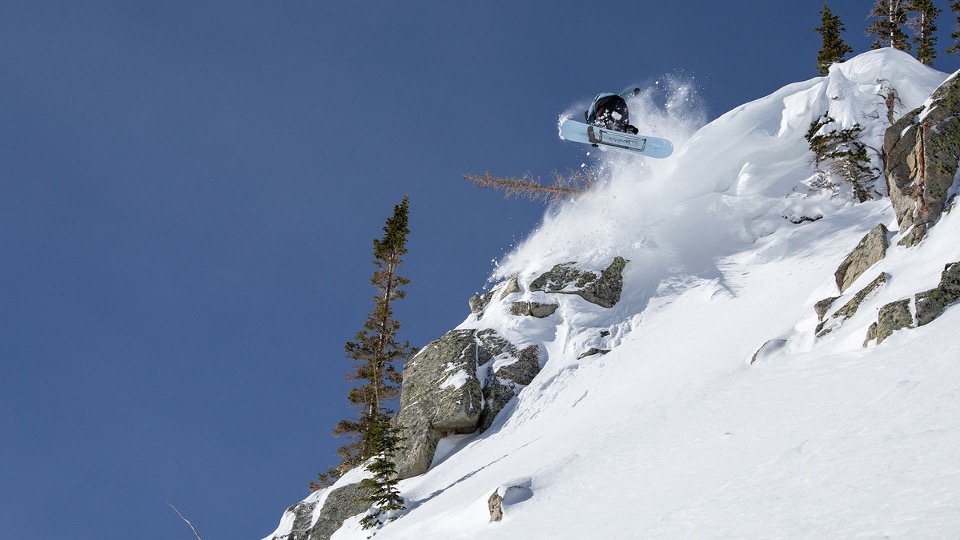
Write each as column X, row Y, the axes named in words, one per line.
column 932, row 303
column 339, row 504
column 479, row 302
column 457, row 384
column 303, row 518
column 823, row 306
column 440, row 394
column 512, row 492
column 872, row 248
column 532, row 309
column 921, row 152
column 850, row 308
column 928, row 305
column 507, row 372
column 892, row 317
column 603, row 290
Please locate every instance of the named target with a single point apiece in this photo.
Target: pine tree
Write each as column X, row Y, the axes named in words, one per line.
column 377, row 352
column 890, row 17
column 955, row 35
column 833, row 48
column 840, row 153
column 924, row 27
column 381, row 488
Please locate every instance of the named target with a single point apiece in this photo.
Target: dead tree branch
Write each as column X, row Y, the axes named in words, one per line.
column 195, row 533
column 527, row 185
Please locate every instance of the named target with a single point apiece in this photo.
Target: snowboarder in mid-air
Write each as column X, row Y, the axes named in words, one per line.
column 610, row 111
column 607, row 123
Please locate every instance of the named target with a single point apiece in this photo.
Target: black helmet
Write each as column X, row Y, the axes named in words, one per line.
column 611, row 112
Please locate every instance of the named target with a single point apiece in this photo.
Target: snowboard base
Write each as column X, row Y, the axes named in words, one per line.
column 645, row 145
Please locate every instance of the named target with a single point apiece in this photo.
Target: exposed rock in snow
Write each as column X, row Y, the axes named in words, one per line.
column 849, row 309
column 457, row 384
column 592, row 351
column 341, row 503
column 871, row 249
column 767, row 349
column 510, row 370
column 932, row 303
column 533, row 309
column 823, row 306
column 892, row 317
column 322, row 513
column 428, row 408
column 922, row 150
column 512, row 492
column 479, row 302
column 603, row 289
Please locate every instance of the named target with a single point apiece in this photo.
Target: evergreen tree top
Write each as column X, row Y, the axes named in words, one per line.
column 890, row 16
column 393, row 245
column 833, row 48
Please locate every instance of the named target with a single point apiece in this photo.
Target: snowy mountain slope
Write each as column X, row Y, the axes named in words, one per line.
column 674, row 433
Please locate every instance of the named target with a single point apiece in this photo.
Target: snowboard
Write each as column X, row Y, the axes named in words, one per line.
column 655, row 147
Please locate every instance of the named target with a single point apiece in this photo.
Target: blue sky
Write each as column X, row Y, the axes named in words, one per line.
column 189, row 191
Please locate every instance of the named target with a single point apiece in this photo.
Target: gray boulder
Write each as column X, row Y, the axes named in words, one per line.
column 850, row 308
column 872, row 248
column 592, row 351
column 479, row 302
column 457, row 384
column 339, row 505
column 823, row 306
column 603, row 289
column 512, row 368
column 511, row 286
column 871, row 334
column 920, row 157
column 440, row 394
column 506, row 369
column 489, row 345
column 497, row 393
column 512, row 492
column 931, row 304
column 525, row 365
column 532, row 309
column 892, row 317
column 303, row 517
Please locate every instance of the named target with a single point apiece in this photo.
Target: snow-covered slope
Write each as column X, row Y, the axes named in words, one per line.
column 674, row 433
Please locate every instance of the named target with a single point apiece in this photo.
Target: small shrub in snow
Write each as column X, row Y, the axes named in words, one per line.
column 839, row 153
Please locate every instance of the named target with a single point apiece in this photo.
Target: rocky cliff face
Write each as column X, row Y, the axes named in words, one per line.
column 458, row 383
column 921, row 150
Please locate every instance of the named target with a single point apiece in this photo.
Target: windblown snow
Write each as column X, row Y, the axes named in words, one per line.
column 674, row 433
